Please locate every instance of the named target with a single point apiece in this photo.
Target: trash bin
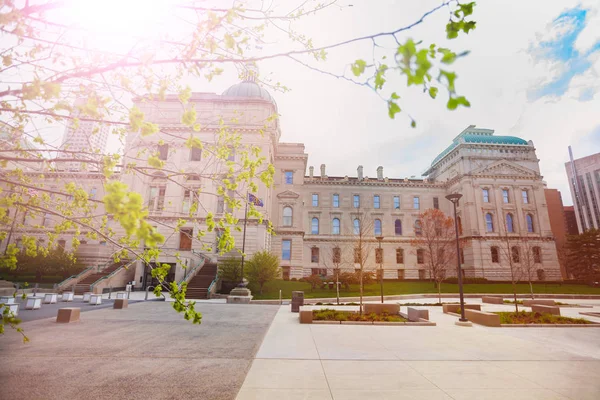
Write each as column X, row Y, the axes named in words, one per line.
column 297, row 301
column 330, row 285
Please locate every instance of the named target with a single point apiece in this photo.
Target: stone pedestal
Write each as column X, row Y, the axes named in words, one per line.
column 50, row 298
column 239, row 295
column 120, row 304
column 66, row 315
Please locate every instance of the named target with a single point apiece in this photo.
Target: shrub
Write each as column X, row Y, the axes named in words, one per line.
column 230, row 269
column 294, row 279
column 454, row 279
column 314, row 281
column 262, row 268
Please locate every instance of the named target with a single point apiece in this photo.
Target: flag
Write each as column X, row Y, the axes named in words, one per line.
column 255, row 200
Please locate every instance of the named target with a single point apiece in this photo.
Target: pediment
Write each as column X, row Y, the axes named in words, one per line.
column 288, row 194
column 504, row 168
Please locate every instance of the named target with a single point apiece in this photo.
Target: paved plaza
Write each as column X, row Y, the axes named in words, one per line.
column 243, row 352
column 411, row 362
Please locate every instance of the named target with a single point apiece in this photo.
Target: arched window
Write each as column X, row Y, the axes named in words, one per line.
column 529, row 219
column 314, row 226
column 459, row 220
column 398, row 227
column 509, row 223
column 489, row 222
column 377, row 225
column 495, row 255
column 418, row 228
column 356, row 226
column 516, row 256
column 335, row 226
column 287, row 216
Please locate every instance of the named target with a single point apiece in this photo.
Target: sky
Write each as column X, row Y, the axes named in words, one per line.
column 533, row 71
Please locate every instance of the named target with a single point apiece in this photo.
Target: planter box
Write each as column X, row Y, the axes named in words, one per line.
column 306, row 316
column 388, row 323
column 86, row 297
column 529, row 303
column 7, row 300
column 357, row 323
column 554, row 310
column 455, row 308
column 68, row 296
column 492, row 300
column 326, row 322
column 95, row 299
column 33, row 303
column 50, row 298
column 121, row 295
column 379, row 308
column 483, row 318
column 13, row 307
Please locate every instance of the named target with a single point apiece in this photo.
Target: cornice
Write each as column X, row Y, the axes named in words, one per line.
column 409, row 184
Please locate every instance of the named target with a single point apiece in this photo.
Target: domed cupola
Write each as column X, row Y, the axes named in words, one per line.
column 250, row 89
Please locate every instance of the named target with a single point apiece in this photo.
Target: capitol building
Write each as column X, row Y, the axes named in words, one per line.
column 314, row 215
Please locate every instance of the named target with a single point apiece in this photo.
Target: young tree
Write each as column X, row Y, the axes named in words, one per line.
column 512, row 253
column 61, row 67
column 336, row 259
column 437, row 242
column 529, row 261
column 263, row 267
column 583, row 255
column 230, row 270
column 363, row 242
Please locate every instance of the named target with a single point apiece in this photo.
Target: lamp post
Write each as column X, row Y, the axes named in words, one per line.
column 379, row 239
column 454, row 198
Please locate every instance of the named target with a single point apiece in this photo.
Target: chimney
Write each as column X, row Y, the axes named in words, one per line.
column 311, row 171
column 359, row 170
column 380, row 173
column 322, row 170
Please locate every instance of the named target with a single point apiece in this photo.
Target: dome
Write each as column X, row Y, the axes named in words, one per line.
column 250, row 89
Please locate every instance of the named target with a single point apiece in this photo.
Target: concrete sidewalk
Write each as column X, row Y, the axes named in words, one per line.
column 413, row 362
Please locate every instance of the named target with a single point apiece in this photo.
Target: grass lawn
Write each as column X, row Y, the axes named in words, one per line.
column 336, row 315
column 525, row 317
column 271, row 289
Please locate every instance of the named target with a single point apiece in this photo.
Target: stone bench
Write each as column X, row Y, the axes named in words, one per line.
column 86, row 297
column 541, row 302
column 542, row 309
column 69, row 314
column 50, row 298
column 416, row 314
column 7, row 300
column 482, row 318
column 492, row 300
column 120, row 304
column 380, row 308
column 455, row 308
column 12, row 307
column 306, row 316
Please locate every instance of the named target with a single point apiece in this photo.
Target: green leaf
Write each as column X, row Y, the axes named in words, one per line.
column 413, row 123
column 395, row 96
column 393, row 109
column 454, row 102
column 358, row 67
column 433, row 92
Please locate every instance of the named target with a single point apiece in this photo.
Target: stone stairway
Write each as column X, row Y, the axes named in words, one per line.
column 83, row 285
column 198, row 285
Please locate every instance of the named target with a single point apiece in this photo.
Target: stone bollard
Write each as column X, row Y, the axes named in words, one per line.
column 120, row 304
column 69, row 314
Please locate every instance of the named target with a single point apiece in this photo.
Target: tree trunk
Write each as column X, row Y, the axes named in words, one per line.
column 261, row 287
column 337, row 287
column 440, row 292
column 360, row 283
column 531, row 289
column 515, row 296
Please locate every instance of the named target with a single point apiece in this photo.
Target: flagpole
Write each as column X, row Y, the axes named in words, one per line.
column 244, row 239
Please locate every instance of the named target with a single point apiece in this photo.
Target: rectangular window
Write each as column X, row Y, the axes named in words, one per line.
column 376, row 202
column 289, row 177
column 163, row 151
column 357, row 255
column 525, row 195
column 337, row 255
column 416, row 204
column 486, row 195
column 186, row 201
column 421, row 274
column 220, row 205
column 62, row 244
column 286, row 249
column 195, row 154
column 505, row 196
column 336, row 200
column 185, row 238
column 157, row 198
column 379, row 256
column 436, row 203
column 399, row 256
column 314, row 255
column 315, row 200
column 400, row 274
column 396, row 202
column 356, row 201
column 231, row 156
column 420, row 256
column 93, row 193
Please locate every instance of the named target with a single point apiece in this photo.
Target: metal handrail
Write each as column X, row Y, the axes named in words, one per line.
column 111, row 274
column 190, row 275
column 212, row 284
column 74, row 276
